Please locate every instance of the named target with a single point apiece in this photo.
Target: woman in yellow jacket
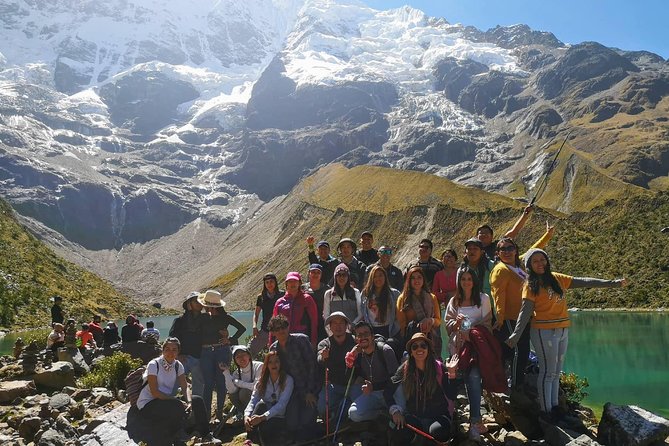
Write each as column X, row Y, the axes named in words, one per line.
column 545, row 303
column 418, row 310
column 506, row 285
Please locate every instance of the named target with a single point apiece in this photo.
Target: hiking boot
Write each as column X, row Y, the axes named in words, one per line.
column 474, row 433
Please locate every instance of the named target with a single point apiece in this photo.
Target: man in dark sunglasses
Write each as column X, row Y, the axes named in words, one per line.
column 395, row 277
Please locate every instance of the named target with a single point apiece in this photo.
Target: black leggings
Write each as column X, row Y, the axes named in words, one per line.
column 519, row 356
column 267, row 430
column 167, row 418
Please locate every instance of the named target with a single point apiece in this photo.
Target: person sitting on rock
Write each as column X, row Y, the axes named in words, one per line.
column 158, row 404
column 96, row 330
column 85, row 339
column 110, row 334
column 132, row 330
column 424, row 397
column 241, row 382
column 56, row 338
column 150, row 334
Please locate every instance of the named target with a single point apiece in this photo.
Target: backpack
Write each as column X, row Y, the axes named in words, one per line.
column 134, row 382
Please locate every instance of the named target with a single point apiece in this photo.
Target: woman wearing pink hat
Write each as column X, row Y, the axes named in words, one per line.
column 299, row 308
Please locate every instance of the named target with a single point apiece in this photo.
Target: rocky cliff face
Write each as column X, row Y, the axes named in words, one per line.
column 121, row 122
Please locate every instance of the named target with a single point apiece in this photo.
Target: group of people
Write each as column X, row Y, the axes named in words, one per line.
column 361, row 339
column 90, row 336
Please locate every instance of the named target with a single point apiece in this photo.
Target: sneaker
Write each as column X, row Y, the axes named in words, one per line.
column 481, row 428
column 474, row 433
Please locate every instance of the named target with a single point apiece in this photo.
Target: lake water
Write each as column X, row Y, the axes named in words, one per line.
column 624, row 355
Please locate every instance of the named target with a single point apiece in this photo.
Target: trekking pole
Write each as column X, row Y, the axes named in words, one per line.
column 327, row 401
column 343, row 404
column 550, row 168
column 424, row 434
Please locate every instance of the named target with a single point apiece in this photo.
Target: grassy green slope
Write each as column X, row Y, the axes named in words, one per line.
column 30, row 273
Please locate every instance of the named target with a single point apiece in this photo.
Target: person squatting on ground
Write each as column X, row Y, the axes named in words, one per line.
column 545, row 303
column 157, row 403
column 188, row 329
column 265, row 303
column 264, row 416
column 299, row 360
column 424, row 396
column 240, row 383
column 374, row 366
column 331, row 354
column 215, row 354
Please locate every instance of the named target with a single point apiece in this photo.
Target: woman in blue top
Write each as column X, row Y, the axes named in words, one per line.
column 264, row 415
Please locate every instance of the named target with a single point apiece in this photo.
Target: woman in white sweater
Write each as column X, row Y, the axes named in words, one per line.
column 241, row 382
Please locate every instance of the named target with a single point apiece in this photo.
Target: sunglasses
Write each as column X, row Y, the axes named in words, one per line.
column 386, row 252
column 417, row 345
column 507, row 248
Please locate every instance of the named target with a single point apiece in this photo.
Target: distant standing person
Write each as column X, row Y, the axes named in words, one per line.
column 96, row 330
column 188, row 329
column 395, row 276
column 299, row 308
column 342, row 296
column 57, row 311
column 327, row 261
column 216, row 354
column 443, row 285
column 545, row 303
column 346, row 249
column 367, row 254
column 265, row 302
column 428, row 264
column 317, row 291
column 485, row 233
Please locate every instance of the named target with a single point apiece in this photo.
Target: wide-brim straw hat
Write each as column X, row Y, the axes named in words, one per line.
column 191, row 295
column 211, row 298
column 418, row 337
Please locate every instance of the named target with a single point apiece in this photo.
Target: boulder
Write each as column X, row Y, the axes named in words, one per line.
column 10, row 390
column 583, row 440
column 60, row 401
column 631, row 425
column 60, row 374
column 110, row 429
column 102, row 396
column 74, row 357
column 52, row 438
column 29, row 427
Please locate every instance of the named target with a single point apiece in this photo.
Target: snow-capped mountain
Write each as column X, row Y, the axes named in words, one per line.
column 121, row 121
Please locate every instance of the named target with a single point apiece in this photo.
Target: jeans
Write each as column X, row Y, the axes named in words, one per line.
column 300, row 418
column 213, row 375
column 367, row 407
column 167, row 418
column 336, row 398
column 551, row 347
column 192, row 365
column 474, row 392
column 269, row 431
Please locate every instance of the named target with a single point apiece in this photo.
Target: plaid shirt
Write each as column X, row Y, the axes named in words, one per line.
column 299, row 361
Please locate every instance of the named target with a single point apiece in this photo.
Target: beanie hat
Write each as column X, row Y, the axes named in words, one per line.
column 528, row 255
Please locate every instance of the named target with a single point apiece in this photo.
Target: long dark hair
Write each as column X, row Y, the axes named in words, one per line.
column 383, row 299
column 264, row 374
column 347, row 292
column 501, row 242
column 476, row 290
column 547, row 279
column 481, row 269
column 407, row 292
column 265, row 291
column 410, row 378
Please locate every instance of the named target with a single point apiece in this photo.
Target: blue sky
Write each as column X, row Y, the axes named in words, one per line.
column 624, row 24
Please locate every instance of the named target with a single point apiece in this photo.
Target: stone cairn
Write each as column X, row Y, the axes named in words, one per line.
column 18, row 347
column 29, row 358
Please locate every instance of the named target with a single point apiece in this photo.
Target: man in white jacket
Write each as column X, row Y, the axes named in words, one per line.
column 240, row 383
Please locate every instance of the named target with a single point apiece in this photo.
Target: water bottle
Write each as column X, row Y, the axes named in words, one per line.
column 466, row 324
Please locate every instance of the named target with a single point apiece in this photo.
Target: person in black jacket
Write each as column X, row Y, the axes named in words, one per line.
column 57, row 315
column 367, row 254
column 346, row 248
column 188, row 329
column 324, row 258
